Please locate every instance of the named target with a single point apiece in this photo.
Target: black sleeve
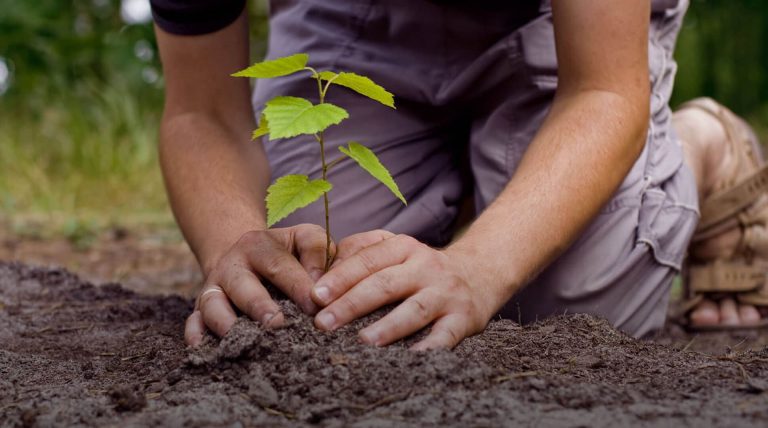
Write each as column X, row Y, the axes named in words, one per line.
column 193, row 17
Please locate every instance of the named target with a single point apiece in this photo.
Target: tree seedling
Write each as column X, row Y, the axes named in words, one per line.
column 286, row 117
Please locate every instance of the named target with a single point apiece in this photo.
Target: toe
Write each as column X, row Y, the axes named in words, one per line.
column 729, row 314
column 749, row 315
column 706, row 313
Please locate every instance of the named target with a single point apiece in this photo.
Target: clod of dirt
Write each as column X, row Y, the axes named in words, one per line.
column 127, row 398
column 76, row 354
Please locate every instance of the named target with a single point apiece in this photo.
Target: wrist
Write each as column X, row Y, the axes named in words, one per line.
column 492, row 277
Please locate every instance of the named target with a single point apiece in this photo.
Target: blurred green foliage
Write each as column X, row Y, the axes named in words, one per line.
column 61, row 49
column 79, row 120
column 78, row 123
column 722, row 52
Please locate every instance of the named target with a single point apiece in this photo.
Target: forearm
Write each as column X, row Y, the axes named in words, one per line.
column 577, row 160
column 215, row 175
column 216, row 180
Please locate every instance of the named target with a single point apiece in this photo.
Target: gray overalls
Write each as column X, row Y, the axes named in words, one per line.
column 473, row 81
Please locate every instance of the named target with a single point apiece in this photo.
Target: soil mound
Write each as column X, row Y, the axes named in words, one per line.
column 72, row 353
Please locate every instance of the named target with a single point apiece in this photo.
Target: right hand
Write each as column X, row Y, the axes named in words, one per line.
column 291, row 258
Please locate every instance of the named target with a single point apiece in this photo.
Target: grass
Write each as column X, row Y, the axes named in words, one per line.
column 81, row 162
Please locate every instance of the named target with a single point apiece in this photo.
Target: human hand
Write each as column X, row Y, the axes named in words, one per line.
column 373, row 269
column 291, row 258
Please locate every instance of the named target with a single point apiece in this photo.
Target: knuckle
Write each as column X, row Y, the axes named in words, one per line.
column 383, row 233
column 367, row 262
column 453, row 335
column 236, row 281
column 421, row 309
column 407, row 241
column 251, row 237
column 383, row 285
column 432, row 263
column 309, row 229
column 275, row 265
column 350, row 305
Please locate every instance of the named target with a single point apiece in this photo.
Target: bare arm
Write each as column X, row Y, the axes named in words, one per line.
column 592, row 136
column 589, row 141
column 216, row 179
column 215, row 176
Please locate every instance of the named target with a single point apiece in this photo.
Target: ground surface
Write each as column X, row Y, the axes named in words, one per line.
column 74, row 353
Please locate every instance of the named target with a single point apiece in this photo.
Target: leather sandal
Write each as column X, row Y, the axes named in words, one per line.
column 739, row 201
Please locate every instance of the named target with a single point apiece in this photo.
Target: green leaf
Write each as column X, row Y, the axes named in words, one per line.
column 292, row 116
column 369, row 162
column 362, row 85
column 263, row 128
column 275, row 67
column 290, row 193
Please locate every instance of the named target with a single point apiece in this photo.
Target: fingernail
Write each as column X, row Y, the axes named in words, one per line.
column 267, row 318
column 326, row 320
column 369, row 337
column 323, row 294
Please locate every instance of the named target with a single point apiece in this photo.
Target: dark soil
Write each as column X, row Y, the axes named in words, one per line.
column 75, row 354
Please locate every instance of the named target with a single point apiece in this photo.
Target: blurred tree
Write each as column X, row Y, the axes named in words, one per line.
column 723, row 53
column 57, row 49
column 62, row 49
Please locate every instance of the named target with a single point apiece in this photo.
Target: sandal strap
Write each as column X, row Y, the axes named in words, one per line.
column 726, row 277
column 754, row 298
column 725, row 204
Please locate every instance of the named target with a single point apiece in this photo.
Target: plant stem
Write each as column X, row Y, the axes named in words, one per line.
column 325, row 177
column 333, row 163
column 325, row 203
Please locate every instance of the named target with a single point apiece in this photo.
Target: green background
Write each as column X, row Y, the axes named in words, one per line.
column 79, row 118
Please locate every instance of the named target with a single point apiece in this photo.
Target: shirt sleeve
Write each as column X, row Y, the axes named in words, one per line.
column 194, row 17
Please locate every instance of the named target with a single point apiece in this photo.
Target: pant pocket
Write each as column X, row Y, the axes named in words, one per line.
column 667, row 218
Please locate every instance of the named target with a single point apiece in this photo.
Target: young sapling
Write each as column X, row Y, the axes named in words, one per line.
column 287, row 116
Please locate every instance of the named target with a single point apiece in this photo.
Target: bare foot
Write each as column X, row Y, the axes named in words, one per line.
column 726, row 312
column 707, row 153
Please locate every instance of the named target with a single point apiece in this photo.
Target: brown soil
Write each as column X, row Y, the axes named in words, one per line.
column 147, row 259
column 75, row 354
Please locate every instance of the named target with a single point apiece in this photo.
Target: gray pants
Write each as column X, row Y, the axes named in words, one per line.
column 473, row 82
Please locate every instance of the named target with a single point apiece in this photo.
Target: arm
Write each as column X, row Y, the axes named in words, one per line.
column 215, row 176
column 592, row 136
column 216, row 179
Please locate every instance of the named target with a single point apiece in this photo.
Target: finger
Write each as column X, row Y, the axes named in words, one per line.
column 354, row 243
column 249, row 295
column 409, row 317
column 216, row 311
column 194, row 329
column 383, row 287
column 445, row 334
column 311, row 242
column 271, row 260
column 364, row 263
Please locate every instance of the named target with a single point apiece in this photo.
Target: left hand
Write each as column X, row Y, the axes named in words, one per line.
column 373, row 269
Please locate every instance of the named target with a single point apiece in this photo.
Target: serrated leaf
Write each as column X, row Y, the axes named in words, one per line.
column 275, row 67
column 263, row 128
column 291, row 192
column 371, row 163
column 362, row 85
column 292, row 116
